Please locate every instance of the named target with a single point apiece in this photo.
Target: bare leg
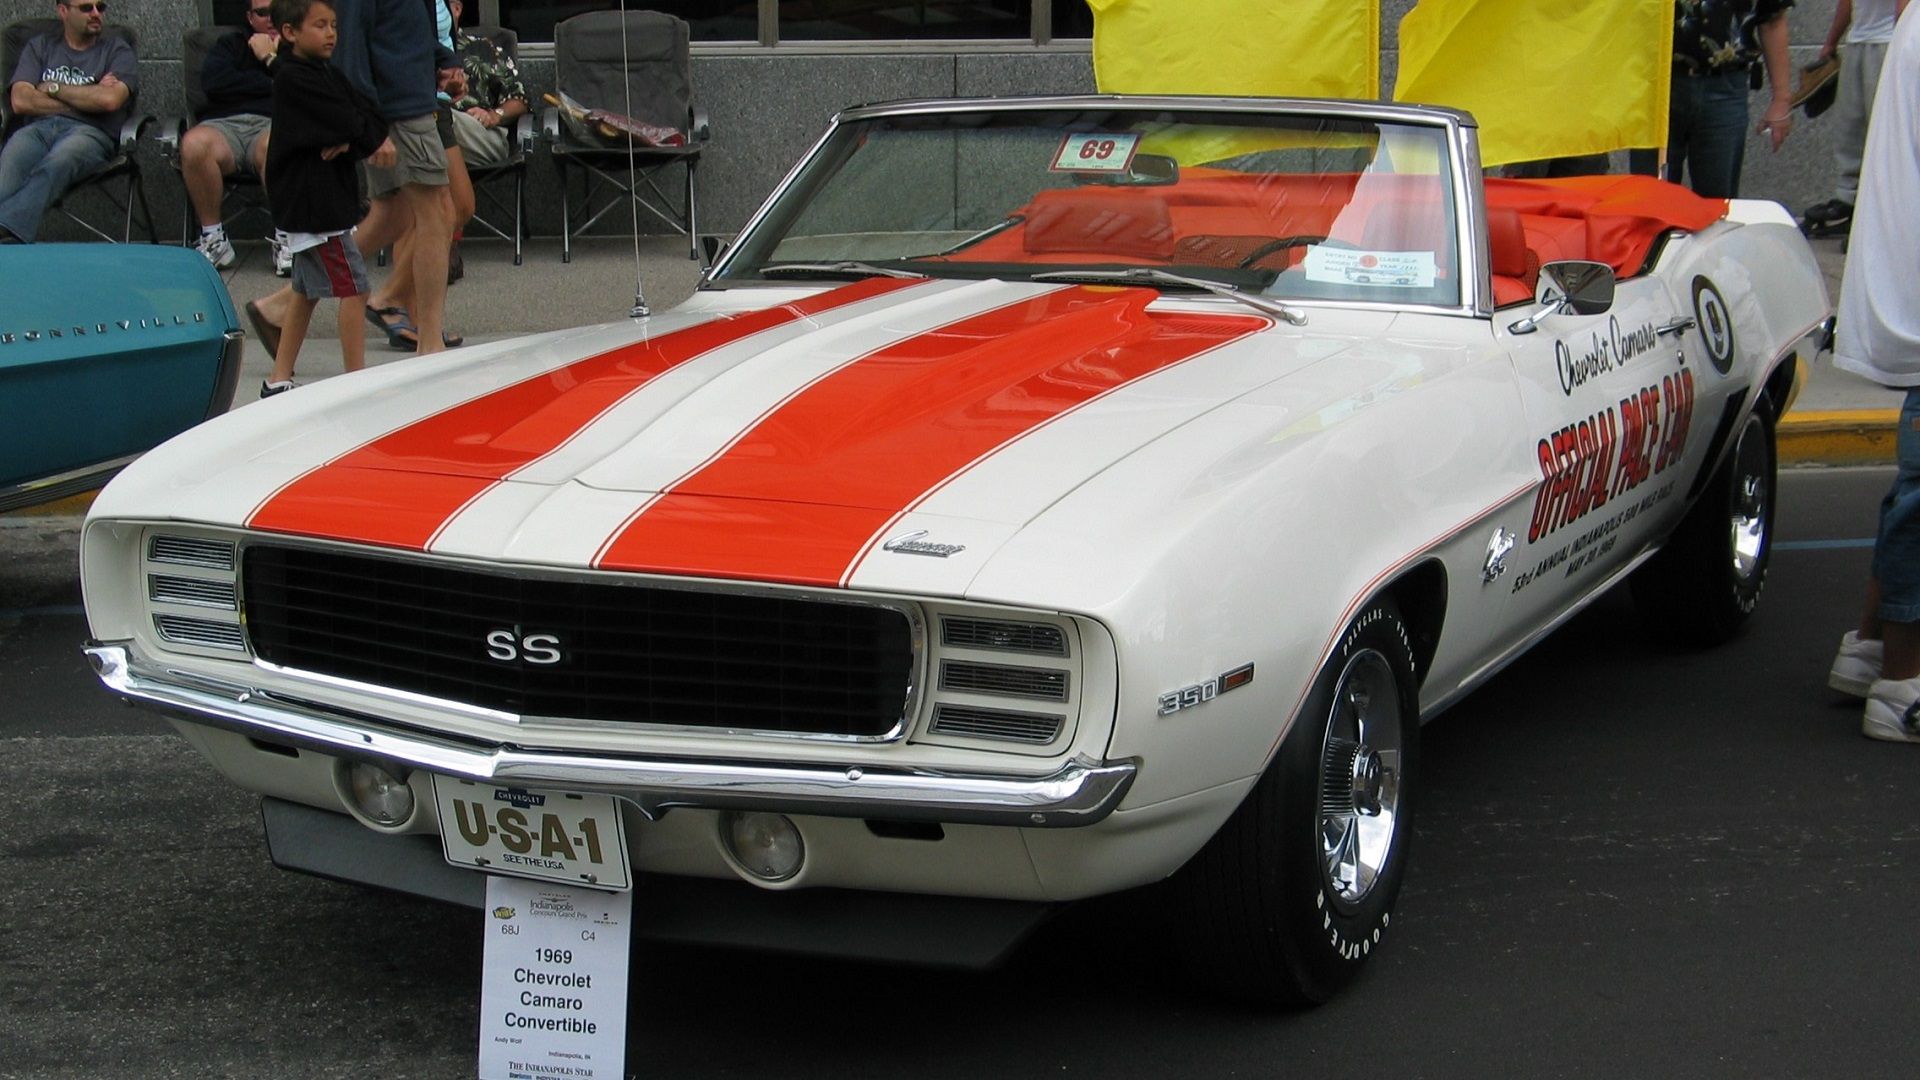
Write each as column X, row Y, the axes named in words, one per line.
column 432, row 232
column 1870, row 625
column 1901, row 641
column 460, row 187
column 353, row 332
column 293, row 331
column 205, row 161
column 398, row 289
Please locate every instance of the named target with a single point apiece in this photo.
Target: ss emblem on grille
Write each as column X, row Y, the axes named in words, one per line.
column 531, row 648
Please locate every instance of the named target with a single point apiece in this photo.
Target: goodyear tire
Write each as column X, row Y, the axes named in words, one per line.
column 1703, row 585
column 1287, row 902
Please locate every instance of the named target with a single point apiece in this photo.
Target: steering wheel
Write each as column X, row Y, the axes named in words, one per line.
column 1280, row 243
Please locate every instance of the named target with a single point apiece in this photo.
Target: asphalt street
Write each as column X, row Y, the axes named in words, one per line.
column 1627, row 862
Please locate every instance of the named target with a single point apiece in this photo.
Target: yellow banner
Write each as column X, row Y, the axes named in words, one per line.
column 1544, row 78
column 1238, row 48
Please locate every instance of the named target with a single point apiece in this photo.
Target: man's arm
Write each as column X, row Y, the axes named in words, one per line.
column 228, row 74
column 24, row 95
column 107, row 95
column 1842, row 18
column 1778, row 122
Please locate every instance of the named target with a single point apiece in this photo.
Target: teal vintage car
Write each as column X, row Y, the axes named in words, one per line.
column 106, row 350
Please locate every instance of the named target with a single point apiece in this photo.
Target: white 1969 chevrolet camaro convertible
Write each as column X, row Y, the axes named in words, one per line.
column 1041, row 498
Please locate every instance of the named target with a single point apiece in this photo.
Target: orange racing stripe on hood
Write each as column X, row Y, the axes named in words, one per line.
column 401, row 489
column 800, row 496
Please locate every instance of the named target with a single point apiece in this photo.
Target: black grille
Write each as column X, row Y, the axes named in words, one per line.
column 629, row 652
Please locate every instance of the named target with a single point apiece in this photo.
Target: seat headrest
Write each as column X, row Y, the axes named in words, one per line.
column 1506, row 242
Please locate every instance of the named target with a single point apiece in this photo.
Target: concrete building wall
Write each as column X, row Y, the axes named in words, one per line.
column 768, row 105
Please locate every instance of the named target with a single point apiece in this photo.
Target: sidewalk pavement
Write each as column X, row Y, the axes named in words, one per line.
column 1836, row 419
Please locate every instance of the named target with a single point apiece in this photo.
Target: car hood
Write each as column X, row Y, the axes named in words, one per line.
column 780, row 442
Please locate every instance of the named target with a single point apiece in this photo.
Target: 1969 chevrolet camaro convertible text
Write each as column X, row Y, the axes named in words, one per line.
column 1041, row 498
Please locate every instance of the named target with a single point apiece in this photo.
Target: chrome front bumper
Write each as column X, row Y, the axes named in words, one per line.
column 1081, row 792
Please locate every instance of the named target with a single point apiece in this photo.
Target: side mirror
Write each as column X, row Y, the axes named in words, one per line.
column 1577, row 286
column 711, row 246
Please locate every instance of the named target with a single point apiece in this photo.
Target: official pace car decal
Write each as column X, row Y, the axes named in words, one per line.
column 804, row 491
column 1597, row 462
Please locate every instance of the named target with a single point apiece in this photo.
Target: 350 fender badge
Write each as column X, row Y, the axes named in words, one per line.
column 911, row 544
column 1200, row 693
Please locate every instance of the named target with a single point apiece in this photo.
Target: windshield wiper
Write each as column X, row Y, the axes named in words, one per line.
column 841, row 268
column 1153, row 275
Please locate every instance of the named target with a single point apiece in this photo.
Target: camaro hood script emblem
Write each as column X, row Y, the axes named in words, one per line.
column 911, row 544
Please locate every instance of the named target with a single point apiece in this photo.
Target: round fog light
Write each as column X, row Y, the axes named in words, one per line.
column 768, row 846
column 382, row 797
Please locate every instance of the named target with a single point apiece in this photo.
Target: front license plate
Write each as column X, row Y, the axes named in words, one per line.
column 533, row 832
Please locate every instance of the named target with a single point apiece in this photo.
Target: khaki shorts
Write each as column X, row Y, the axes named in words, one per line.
column 241, row 133
column 422, row 159
column 484, row 147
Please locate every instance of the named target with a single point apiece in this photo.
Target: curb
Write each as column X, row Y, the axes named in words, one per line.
column 1838, row 437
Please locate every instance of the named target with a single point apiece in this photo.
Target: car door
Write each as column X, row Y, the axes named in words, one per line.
column 1609, row 399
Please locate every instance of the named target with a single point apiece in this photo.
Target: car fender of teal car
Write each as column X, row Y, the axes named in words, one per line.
column 105, row 352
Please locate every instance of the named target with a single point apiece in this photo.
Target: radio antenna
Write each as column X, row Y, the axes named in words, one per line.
column 640, row 310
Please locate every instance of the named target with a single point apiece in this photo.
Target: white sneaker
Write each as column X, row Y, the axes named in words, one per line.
column 1893, row 711
column 271, row 389
column 282, row 258
column 1856, row 665
column 217, row 248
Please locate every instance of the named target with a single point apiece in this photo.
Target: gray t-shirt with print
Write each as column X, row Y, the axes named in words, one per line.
column 49, row 58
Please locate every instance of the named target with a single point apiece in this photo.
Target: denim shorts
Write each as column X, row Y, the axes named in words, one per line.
column 1896, row 551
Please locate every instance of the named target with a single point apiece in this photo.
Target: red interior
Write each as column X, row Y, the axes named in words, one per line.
column 1214, row 217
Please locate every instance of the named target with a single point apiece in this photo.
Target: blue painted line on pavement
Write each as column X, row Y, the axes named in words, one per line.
column 32, row 612
column 1823, row 545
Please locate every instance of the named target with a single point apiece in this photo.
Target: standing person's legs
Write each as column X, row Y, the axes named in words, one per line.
column 1893, row 615
column 1718, row 142
column 432, row 232
column 417, row 183
column 39, row 163
column 1859, row 79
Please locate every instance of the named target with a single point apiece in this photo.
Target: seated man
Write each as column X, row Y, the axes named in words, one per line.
column 232, row 132
column 74, row 87
column 483, row 119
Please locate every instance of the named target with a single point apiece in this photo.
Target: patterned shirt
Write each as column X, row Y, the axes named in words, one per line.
column 492, row 78
column 1715, row 36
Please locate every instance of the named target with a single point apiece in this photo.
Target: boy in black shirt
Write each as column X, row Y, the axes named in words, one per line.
column 321, row 126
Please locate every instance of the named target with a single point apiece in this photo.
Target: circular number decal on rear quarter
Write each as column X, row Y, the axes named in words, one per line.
column 1715, row 324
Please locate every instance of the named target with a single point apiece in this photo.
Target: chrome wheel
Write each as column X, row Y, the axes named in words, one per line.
column 1751, row 518
column 1360, row 772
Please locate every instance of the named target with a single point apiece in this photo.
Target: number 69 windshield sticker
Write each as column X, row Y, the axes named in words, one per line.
column 1096, row 152
column 1716, row 324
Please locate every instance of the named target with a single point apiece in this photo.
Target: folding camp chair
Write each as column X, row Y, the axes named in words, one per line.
column 645, row 73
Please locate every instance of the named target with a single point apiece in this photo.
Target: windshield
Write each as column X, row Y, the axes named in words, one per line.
column 1281, row 205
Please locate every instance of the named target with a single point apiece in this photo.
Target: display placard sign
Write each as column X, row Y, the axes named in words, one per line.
column 553, row 991
column 1092, row 151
